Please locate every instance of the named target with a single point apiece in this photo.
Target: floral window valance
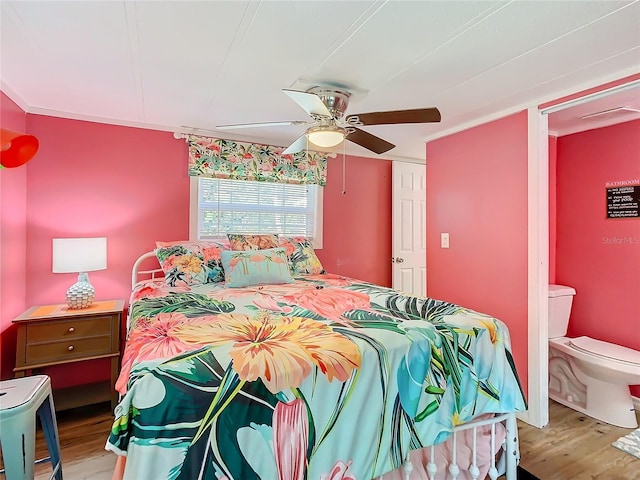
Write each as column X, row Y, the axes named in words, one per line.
column 217, row 158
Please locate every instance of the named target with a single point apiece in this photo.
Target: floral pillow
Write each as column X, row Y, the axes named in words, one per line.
column 243, row 268
column 191, row 263
column 302, row 257
column 252, row 242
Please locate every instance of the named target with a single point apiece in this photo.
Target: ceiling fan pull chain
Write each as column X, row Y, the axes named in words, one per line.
column 344, row 169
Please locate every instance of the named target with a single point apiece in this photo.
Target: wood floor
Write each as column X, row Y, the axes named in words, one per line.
column 571, row 447
column 574, row 446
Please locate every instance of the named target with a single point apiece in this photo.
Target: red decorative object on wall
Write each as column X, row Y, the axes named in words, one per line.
column 17, row 148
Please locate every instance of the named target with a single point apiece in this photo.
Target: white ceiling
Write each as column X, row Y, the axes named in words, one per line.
column 180, row 65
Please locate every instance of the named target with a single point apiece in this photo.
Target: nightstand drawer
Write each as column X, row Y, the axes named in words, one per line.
column 68, row 329
column 68, row 350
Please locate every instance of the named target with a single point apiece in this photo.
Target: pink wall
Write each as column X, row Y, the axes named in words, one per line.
column 357, row 224
column 131, row 185
column 553, row 142
column 477, row 192
column 597, row 256
column 127, row 184
column 13, row 197
column 92, row 179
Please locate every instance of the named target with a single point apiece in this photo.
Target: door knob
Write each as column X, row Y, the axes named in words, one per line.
column 398, row 260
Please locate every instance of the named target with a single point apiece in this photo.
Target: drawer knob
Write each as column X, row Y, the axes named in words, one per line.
column 71, row 329
column 70, row 348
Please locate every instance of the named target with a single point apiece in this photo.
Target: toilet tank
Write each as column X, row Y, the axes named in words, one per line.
column 560, row 300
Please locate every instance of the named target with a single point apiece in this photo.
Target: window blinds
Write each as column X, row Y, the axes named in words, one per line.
column 240, row 206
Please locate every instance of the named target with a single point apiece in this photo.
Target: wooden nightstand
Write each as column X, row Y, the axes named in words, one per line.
column 55, row 334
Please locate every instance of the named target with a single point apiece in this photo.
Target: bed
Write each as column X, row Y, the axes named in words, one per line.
column 320, row 377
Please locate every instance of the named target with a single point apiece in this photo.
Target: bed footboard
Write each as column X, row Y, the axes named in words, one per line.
column 504, row 455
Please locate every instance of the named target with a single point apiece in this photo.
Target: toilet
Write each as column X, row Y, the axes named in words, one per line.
column 589, row 375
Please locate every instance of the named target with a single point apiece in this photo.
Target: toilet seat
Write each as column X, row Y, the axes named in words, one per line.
column 611, row 351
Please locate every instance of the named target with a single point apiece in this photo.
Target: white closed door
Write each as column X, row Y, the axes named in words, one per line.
column 409, row 246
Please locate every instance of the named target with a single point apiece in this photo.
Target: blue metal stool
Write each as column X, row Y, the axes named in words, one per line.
column 20, row 400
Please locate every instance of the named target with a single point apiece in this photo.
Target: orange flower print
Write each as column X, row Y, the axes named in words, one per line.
column 152, row 339
column 186, row 263
column 472, row 319
column 490, row 325
column 262, row 241
column 279, row 350
column 253, row 242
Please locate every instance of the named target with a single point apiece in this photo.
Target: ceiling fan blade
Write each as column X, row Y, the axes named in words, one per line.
column 260, row 124
column 418, row 115
column 310, row 102
column 298, row 145
column 369, row 141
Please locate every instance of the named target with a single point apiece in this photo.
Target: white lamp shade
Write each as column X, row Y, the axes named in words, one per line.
column 74, row 255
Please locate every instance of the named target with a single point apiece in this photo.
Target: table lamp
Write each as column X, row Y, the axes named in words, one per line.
column 79, row 255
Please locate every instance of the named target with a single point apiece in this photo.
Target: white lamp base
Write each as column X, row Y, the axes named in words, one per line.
column 81, row 294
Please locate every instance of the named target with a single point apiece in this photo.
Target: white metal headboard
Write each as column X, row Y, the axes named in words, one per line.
column 145, row 261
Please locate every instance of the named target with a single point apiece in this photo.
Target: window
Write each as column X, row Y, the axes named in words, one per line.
column 221, row 206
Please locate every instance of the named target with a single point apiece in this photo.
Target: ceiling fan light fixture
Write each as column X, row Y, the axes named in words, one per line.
column 326, row 136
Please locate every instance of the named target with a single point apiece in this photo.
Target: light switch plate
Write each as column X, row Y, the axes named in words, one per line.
column 444, row 240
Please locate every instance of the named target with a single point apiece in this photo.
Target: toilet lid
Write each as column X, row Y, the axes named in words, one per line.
column 605, row 349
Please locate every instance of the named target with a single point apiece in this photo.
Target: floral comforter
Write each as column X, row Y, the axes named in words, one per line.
column 325, row 378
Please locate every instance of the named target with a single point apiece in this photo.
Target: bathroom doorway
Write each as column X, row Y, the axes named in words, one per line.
column 618, row 104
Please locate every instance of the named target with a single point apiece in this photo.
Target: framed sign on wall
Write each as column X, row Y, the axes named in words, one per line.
column 623, row 200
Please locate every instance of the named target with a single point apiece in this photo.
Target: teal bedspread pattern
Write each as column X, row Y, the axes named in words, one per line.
column 325, row 378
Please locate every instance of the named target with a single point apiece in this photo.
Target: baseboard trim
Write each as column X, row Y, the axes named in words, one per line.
column 524, row 416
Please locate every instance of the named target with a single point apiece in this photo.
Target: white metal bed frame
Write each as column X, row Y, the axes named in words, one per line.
column 503, row 464
column 138, row 275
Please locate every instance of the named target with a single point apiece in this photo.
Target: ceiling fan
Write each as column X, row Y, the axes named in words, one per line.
column 326, row 106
